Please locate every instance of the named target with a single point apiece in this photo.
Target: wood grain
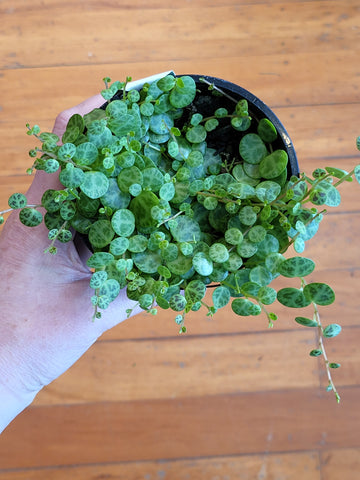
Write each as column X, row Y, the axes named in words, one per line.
column 244, row 467
column 189, row 31
column 181, row 428
column 231, row 400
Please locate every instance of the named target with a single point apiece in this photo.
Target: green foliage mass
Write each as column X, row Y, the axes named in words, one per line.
column 168, row 210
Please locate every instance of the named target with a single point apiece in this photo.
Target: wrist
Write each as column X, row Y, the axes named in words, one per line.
column 15, row 394
column 12, row 403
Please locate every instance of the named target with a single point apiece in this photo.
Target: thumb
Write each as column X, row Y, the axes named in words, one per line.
column 44, row 181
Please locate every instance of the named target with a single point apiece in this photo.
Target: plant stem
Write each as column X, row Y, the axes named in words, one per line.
column 11, row 209
column 322, row 348
column 170, row 218
column 218, row 89
column 343, row 179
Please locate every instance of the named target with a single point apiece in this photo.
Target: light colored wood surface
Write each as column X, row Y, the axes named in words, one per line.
column 230, row 400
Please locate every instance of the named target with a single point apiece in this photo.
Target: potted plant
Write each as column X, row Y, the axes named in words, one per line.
column 184, row 184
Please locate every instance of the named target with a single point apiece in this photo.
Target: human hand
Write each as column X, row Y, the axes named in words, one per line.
column 46, row 310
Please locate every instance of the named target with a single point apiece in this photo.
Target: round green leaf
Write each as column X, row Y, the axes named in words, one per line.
column 141, row 206
column 273, row 261
column 292, row 298
column 166, row 83
column 246, row 249
column 332, row 330
column 147, row 109
column 183, row 93
column 185, row 229
column 86, row 154
column 266, row 130
column 115, row 198
column 128, row 176
column 101, row 233
column 267, row 191
column 100, row 259
column 75, row 121
column 98, row 278
column 51, row 165
column 167, row 191
column 137, row 243
column 261, row 275
column 250, row 289
column 296, row 267
column 245, row 307
column 161, row 123
column 274, row 164
column 257, row 234
column 195, row 291
column 241, row 124
column 103, row 301
column 333, row 197
column 202, row 264
column 116, row 109
column 196, row 134
column 267, row 295
column 319, row 293
column 233, row 236
column 30, row 217
column 146, row 301
column 66, row 151
column 247, row 215
column 218, row 253
column 177, row 302
column 252, row 148
column 220, row 297
column 110, row 288
column 234, row 262
column 72, row 177
column 186, row 248
column 147, row 262
column 164, row 271
column 17, row 200
column 153, row 179
column 67, row 210
column 119, row 245
column 95, row 184
column 123, row 222
column 210, row 203
column 179, row 265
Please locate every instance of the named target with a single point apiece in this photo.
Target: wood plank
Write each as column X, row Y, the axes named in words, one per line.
column 342, row 463
column 279, row 80
column 296, row 420
column 326, row 30
column 244, row 467
column 184, row 366
column 19, row 6
column 188, row 366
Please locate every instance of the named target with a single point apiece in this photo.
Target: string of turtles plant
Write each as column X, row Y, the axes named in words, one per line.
column 166, row 214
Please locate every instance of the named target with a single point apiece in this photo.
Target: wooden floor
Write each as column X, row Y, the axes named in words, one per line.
column 231, row 399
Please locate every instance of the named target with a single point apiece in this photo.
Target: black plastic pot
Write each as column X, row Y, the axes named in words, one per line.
column 227, row 139
column 207, row 102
